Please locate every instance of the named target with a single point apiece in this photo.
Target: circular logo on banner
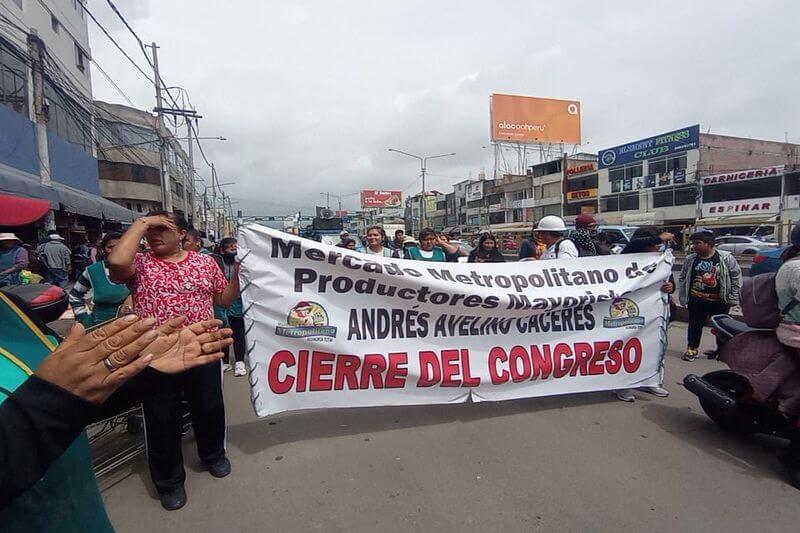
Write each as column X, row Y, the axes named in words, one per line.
column 306, row 319
column 608, row 157
column 572, row 109
column 623, row 312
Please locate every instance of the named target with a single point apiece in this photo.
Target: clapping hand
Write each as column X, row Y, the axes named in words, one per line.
column 179, row 349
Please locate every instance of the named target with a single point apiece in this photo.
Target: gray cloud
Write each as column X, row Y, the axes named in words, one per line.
column 311, row 94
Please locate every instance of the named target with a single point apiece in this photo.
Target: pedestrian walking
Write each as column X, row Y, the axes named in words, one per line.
column 708, row 285
column 107, row 296
column 57, row 258
column 167, row 282
column 644, row 241
column 552, row 232
column 13, row 259
column 486, row 251
column 228, row 248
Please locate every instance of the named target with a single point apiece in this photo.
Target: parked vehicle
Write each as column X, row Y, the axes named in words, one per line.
column 767, row 260
column 743, row 244
column 618, row 236
column 727, row 396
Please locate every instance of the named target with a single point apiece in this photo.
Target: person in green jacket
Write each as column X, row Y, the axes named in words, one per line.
column 432, row 248
column 107, row 296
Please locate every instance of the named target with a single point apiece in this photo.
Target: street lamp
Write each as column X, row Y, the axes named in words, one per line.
column 423, row 160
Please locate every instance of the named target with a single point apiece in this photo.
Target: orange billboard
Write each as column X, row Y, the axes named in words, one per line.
column 528, row 119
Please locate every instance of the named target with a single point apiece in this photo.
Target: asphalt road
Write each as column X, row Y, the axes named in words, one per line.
column 571, row 463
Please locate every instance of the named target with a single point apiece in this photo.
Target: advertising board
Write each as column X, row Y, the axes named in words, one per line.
column 582, row 194
column 743, row 175
column 528, row 119
column 377, row 199
column 667, row 143
column 474, row 191
column 756, row 206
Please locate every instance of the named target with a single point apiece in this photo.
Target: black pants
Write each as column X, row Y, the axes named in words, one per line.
column 201, row 387
column 699, row 312
column 236, row 323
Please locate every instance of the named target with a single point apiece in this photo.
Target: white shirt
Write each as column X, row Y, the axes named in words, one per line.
column 426, row 254
column 566, row 249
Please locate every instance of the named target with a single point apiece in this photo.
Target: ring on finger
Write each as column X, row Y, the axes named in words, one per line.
column 109, row 365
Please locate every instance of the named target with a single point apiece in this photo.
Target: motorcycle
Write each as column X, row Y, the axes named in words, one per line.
column 727, row 396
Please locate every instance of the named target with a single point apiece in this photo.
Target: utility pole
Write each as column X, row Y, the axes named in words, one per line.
column 214, row 200
column 36, row 53
column 166, row 192
column 189, row 204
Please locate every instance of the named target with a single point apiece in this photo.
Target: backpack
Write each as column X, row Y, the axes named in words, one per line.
column 759, row 301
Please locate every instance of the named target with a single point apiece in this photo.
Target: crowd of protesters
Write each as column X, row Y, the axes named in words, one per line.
column 178, row 284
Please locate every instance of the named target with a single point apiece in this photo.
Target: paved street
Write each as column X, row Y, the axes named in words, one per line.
column 574, row 463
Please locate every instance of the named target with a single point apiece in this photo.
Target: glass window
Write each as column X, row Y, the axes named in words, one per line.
column 80, row 58
column 743, row 190
column 616, row 174
column 54, row 23
column 67, row 118
column 658, row 166
column 609, row 204
column 551, row 190
column 685, row 195
column 13, row 80
column 633, row 171
column 676, row 163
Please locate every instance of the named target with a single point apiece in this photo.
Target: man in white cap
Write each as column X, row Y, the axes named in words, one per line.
column 13, row 259
column 552, row 232
column 57, row 258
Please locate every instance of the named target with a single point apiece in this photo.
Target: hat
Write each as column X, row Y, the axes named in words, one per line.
column 584, row 220
column 55, row 237
column 551, row 223
column 410, row 240
column 9, row 237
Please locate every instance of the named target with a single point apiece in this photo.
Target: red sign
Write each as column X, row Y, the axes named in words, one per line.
column 588, row 167
column 743, row 175
column 378, row 199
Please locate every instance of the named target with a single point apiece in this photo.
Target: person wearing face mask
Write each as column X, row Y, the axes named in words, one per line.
column 228, row 247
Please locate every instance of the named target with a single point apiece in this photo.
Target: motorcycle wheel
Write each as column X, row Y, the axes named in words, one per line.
column 736, row 421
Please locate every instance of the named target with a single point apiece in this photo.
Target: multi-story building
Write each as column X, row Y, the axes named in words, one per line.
column 656, row 181
column 47, row 150
column 580, row 186
column 430, row 201
column 129, row 157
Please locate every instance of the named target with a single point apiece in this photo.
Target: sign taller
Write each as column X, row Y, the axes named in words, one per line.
column 667, row 143
column 528, row 119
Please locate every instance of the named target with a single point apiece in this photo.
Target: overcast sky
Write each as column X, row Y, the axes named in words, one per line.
column 312, row 94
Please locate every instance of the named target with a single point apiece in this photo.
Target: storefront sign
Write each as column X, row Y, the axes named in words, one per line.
column 668, row 143
column 327, row 327
column 582, row 195
column 754, row 206
column 474, row 191
column 743, row 175
column 381, row 199
column 587, row 167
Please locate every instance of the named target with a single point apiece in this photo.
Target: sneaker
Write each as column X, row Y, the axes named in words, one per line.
column 691, row 354
column 226, row 367
column 220, row 468
column 656, row 391
column 174, row 499
column 625, row 395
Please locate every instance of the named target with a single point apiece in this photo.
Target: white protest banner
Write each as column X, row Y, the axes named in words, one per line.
column 330, row 327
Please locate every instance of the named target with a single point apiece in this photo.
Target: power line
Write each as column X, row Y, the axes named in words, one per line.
column 129, row 58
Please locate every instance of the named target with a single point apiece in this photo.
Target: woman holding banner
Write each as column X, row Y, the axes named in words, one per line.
column 375, row 243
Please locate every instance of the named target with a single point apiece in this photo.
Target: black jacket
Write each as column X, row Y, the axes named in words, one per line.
column 39, row 421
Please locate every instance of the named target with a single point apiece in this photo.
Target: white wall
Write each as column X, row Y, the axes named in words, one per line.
column 72, row 29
